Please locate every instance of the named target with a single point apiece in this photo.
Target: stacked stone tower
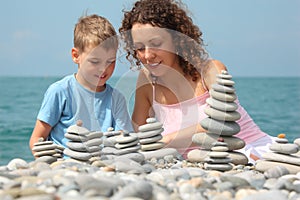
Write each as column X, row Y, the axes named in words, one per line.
column 221, row 125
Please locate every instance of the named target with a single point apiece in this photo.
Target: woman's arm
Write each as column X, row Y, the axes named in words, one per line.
column 143, row 101
column 183, row 138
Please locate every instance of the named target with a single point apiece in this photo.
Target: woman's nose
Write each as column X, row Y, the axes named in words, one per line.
column 149, row 53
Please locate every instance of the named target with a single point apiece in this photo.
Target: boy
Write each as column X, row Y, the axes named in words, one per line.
column 85, row 95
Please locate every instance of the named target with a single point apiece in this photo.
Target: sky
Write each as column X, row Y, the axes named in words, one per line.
column 251, row 37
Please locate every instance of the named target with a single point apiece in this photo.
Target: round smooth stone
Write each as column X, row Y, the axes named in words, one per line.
column 224, row 76
column 297, row 142
column 159, row 153
column 77, row 146
column 149, row 127
column 218, row 160
column 216, row 154
column 93, row 142
column 282, row 140
column 226, row 97
column 276, row 172
column 223, row 144
column 221, row 105
column 151, row 139
column 223, row 88
column 84, row 156
column 263, row 165
column 150, row 120
column 112, row 133
column 220, row 127
column 121, row 139
column 44, row 147
column 225, row 82
column 126, row 145
column 78, row 130
column 127, row 150
column 60, row 148
column 152, row 146
column 46, row 159
column 208, row 140
column 75, row 137
column 148, row 134
column 94, row 149
column 223, row 116
column 238, row 158
column 44, row 153
column 219, row 148
column 218, row 167
column 95, row 134
column 42, row 143
column 294, row 160
column 284, row 148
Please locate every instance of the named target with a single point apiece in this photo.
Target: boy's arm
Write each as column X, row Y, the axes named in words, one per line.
column 41, row 129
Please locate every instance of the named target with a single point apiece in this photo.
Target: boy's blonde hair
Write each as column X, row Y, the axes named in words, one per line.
column 93, row 30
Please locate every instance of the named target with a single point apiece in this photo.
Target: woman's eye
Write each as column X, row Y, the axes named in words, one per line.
column 94, row 62
column 156, row 44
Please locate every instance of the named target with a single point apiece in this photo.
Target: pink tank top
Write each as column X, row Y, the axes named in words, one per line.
column 190, row 112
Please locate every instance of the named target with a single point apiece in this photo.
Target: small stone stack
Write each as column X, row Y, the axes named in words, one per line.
column 282, row 154
column 150, row 135
column 221, row 122
column 121, row 144
column 47, row 151
column 218, row 157
column 83, row 144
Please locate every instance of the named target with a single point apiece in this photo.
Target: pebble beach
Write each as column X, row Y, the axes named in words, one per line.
column 129, row 170
column 155, row 179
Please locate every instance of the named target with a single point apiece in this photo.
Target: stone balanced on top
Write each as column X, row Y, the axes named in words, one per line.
column 84, row 145
column 220, row 125
column 282, row 154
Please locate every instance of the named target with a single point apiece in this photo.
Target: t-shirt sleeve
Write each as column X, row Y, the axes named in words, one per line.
column 120, row 112
column 52, row 105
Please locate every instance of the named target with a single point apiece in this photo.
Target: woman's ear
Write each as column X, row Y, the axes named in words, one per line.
column 75, row 55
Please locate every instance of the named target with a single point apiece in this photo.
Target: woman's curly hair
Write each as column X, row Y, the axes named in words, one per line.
column 168, row 14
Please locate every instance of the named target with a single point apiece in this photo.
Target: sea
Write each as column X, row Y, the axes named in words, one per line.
column 272, row 102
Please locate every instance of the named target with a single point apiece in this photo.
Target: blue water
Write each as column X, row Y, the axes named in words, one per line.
column 273, row 103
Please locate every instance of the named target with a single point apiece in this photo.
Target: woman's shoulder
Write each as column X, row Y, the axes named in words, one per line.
column 212, row 68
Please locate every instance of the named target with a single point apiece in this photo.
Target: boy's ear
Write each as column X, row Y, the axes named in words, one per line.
column 75, row 55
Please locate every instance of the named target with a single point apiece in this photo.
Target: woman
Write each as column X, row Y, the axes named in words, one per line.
column 178, row 74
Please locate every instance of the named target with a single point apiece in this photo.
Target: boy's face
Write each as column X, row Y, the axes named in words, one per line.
column 95, row 66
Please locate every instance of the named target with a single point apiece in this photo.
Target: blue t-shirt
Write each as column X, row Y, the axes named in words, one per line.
column 66, row 101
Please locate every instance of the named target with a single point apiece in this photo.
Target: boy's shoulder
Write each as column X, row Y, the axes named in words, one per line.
column 63, row 83
column 116, row 93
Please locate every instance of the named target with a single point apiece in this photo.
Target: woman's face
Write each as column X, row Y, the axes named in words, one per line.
column 155, row 48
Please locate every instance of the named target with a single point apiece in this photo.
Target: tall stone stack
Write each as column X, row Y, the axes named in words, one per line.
column 83, row 144
column 221, row 123
column 283, row 154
